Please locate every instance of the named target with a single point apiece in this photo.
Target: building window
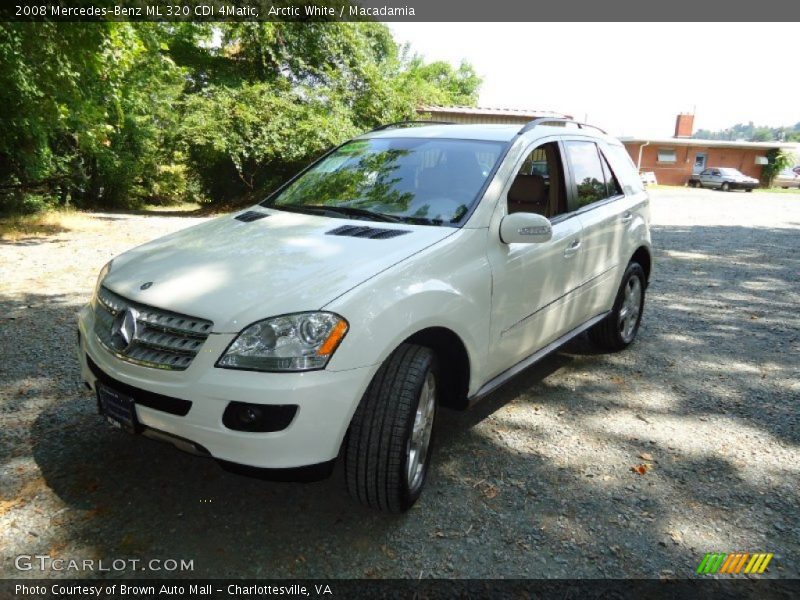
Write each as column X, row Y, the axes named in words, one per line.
column 762, row 160
column 667, row 155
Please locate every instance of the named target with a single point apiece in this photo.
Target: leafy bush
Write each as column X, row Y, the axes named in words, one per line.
column 108, row 115
column 777, row 160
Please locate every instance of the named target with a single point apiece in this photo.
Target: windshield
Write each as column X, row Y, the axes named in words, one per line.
column 427, row 181
column 730, row 172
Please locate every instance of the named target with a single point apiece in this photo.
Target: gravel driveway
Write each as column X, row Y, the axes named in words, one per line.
column 537, row 481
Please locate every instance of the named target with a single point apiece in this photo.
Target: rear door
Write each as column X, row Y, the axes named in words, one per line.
column 599, row 202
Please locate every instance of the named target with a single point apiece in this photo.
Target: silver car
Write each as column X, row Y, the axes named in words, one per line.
column 790, row 178
column 725, row 179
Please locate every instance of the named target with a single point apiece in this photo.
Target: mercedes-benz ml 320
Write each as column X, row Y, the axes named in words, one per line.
column 411, row 268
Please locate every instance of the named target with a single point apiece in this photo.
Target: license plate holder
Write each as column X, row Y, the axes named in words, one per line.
column 119, row 409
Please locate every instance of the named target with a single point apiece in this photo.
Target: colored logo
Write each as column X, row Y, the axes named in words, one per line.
column 734, row 564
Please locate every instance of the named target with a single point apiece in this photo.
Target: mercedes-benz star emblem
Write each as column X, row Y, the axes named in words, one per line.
column 146, row 285
column 123, row 329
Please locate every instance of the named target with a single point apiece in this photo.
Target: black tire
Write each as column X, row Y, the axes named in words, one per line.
column 377, row 449
column 695, row 184
column 726, row 187
column 610, row 334
column 748, row 190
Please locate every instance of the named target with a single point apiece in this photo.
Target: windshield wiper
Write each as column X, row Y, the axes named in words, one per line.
column 420, row 220
column 347, row 211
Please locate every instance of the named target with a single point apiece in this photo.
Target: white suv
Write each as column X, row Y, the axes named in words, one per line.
column 416, row 266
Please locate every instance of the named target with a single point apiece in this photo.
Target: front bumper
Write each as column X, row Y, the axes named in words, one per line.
column 326, row 401
column 743, row 185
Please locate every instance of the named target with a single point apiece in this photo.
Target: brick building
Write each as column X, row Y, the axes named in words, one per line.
column 674, row 160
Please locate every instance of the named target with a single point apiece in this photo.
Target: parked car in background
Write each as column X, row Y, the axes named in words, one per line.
column 790, row 178
column 725, row 179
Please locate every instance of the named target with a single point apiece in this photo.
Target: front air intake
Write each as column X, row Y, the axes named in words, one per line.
column 250, row 215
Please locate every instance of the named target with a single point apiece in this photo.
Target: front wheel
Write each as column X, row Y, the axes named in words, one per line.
column 749, row 190
column 387, row 451
column 726, row 187
column 620, row 327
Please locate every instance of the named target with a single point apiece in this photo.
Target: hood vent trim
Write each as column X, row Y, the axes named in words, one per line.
column 250, row 216
column 372, row 233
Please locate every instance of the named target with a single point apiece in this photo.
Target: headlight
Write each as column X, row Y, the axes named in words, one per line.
column 299, row 342
column 101, row 276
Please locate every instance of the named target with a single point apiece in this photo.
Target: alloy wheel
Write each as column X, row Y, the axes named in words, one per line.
column 420, row 439
column 630, row 309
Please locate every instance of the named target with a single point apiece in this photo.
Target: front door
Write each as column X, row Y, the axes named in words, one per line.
column 532, row 303
column 699, row 162
column 710, row 178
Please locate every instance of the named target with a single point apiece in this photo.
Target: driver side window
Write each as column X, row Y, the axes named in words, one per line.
column 538, row 186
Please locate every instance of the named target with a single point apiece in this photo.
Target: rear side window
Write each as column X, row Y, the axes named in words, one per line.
column 623, row 167
column 587, row 173
column 612, row 185
column 593, row 176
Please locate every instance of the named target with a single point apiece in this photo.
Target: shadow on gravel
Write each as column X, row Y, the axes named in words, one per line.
column 720, row 334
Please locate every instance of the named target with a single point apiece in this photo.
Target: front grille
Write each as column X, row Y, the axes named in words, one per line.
column 161, row 339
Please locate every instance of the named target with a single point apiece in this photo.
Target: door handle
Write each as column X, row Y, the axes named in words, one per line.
column 572, row 248
column 626, row 218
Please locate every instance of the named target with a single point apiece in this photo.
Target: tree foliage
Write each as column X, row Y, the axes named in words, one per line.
column 752, row 133
column 111, row 114
column 778, row 160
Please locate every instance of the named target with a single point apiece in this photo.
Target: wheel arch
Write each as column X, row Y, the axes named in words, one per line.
column 643, row 257
column 454, row 364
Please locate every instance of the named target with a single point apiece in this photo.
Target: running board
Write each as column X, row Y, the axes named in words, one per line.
column 496, row 382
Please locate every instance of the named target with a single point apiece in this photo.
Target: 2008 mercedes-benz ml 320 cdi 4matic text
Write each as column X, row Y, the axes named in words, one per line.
column 414, row 267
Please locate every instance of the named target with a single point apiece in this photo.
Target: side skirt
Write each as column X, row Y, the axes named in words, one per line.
column 508, row 374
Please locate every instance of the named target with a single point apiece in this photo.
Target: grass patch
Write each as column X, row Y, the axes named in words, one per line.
column 172, row 208
column 47, row 222
column 779, row 190
column 53, row 221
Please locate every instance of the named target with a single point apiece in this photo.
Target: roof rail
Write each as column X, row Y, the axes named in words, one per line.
column 545, row 120
column 401, row 124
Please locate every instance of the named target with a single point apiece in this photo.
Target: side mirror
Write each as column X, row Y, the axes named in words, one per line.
column 525, row 228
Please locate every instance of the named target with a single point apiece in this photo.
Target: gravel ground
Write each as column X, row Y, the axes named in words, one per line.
column 536, row 481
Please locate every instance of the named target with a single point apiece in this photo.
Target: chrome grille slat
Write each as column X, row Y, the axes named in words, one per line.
column 164, row 339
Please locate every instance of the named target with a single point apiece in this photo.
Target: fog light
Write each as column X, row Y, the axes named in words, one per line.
column 249, row 414
column 243, row 416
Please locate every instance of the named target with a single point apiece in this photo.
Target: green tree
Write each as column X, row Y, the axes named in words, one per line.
column 87, row 110
column 274, row 95
column 110, row 114
column 777, row 160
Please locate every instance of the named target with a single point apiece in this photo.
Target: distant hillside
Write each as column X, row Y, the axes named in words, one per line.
column 752, row 133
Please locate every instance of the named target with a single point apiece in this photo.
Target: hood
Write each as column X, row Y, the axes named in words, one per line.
column 235, row 273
